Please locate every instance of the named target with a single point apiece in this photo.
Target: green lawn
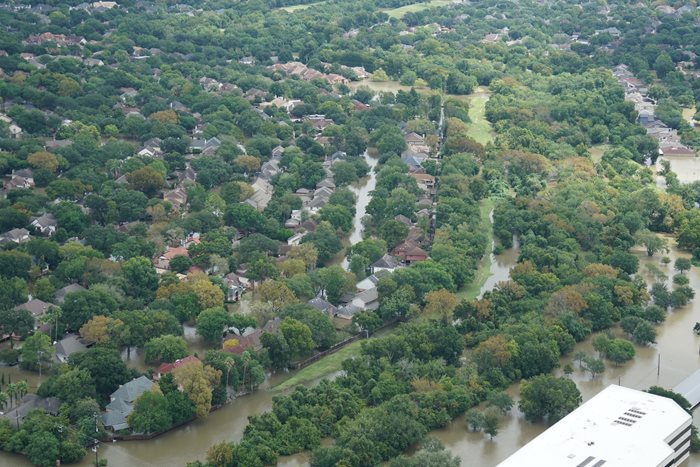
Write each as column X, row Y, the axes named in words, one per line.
column 303, row 6
column 479, row 128
column 401, row 11
column 471, row 291
column 597, row 151
column 325, row 366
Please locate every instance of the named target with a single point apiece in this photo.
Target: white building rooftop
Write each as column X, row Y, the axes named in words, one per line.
column 619, row 427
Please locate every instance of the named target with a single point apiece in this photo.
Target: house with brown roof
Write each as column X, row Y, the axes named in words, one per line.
column 163, row 261
column 177, row 197
column 409, row 252
column 425, row 182
column 166, row 368
column 680, row 151
column 252, row 341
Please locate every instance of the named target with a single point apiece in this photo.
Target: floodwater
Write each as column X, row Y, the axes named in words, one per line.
column 687, row 168
column 677, row 350
column 381, row 86
column 362, row 190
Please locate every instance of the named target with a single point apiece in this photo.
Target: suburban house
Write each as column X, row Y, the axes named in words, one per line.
column 679, row 150
column 176, row 197
column 262, row 194
column 385, row 263
column 235, row 287
column 70, row 345
column 122, row 403
column 37, row 308
column 252, row 340
column 30, row 402
column 408, row 252
column 367, row 299
column 45, row 224
column 163, row 261
column 166, row 368
column 15, row 236
column 323, row 306
column 60, row 295
column 425, row 182
column 347, row 311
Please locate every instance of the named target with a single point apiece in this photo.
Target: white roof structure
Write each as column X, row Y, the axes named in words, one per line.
column 619, row 427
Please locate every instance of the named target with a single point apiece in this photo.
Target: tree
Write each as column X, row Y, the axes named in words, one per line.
column 248, row 164
column 102, row 329
column 276, row 294
column 325, row 240
column 298, row 337
column 277, row 349
column 220, row 455
column 196, row 380
column 682, row 265
column 651, row 241
column 440, row 303
column 620, row 351
column 593, row 365
column 305, row 252
column 43, row 449
column 393, row 232
column 106, row 367
column 79, row 307
column 13, row 291
column 501, row 400
column 147, row 180
column 16, row 322
column 208, row 294
column 475, row 420
column 491, row 421
column 151, row 413
column 140, row 277
column 432, row 454
column 73, row 385
column 37, row 351
column 165, row 349
column 322, row 329
column 548, row 397
column 334, row 281
column 211, row 323
column 43, row 160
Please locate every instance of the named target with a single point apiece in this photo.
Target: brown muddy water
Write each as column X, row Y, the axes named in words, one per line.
column 677, row 345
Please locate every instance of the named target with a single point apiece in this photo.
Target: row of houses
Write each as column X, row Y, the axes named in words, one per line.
column 308, row 74
column 637, row 93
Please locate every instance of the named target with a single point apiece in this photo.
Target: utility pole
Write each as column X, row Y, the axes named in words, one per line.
column 40, row 354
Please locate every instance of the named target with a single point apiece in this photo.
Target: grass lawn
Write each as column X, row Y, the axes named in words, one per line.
column 480, row 128
column 325, row 366
column 688, row 114
column 597, row 151
column 303, row 6
column 401, row 11
column 471, row 291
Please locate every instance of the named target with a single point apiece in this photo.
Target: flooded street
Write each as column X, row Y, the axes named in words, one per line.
column 362, row 190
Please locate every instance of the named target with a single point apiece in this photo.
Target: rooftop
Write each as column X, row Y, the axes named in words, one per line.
column 620, row 426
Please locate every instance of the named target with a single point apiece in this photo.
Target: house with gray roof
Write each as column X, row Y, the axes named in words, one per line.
column 37, row 308
column 60, row 295
column 15, row 236
column 68, row 346
column 45, row 224
column 323, row 306
column 385, row 263
column 122, row 403
column 30, row 402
